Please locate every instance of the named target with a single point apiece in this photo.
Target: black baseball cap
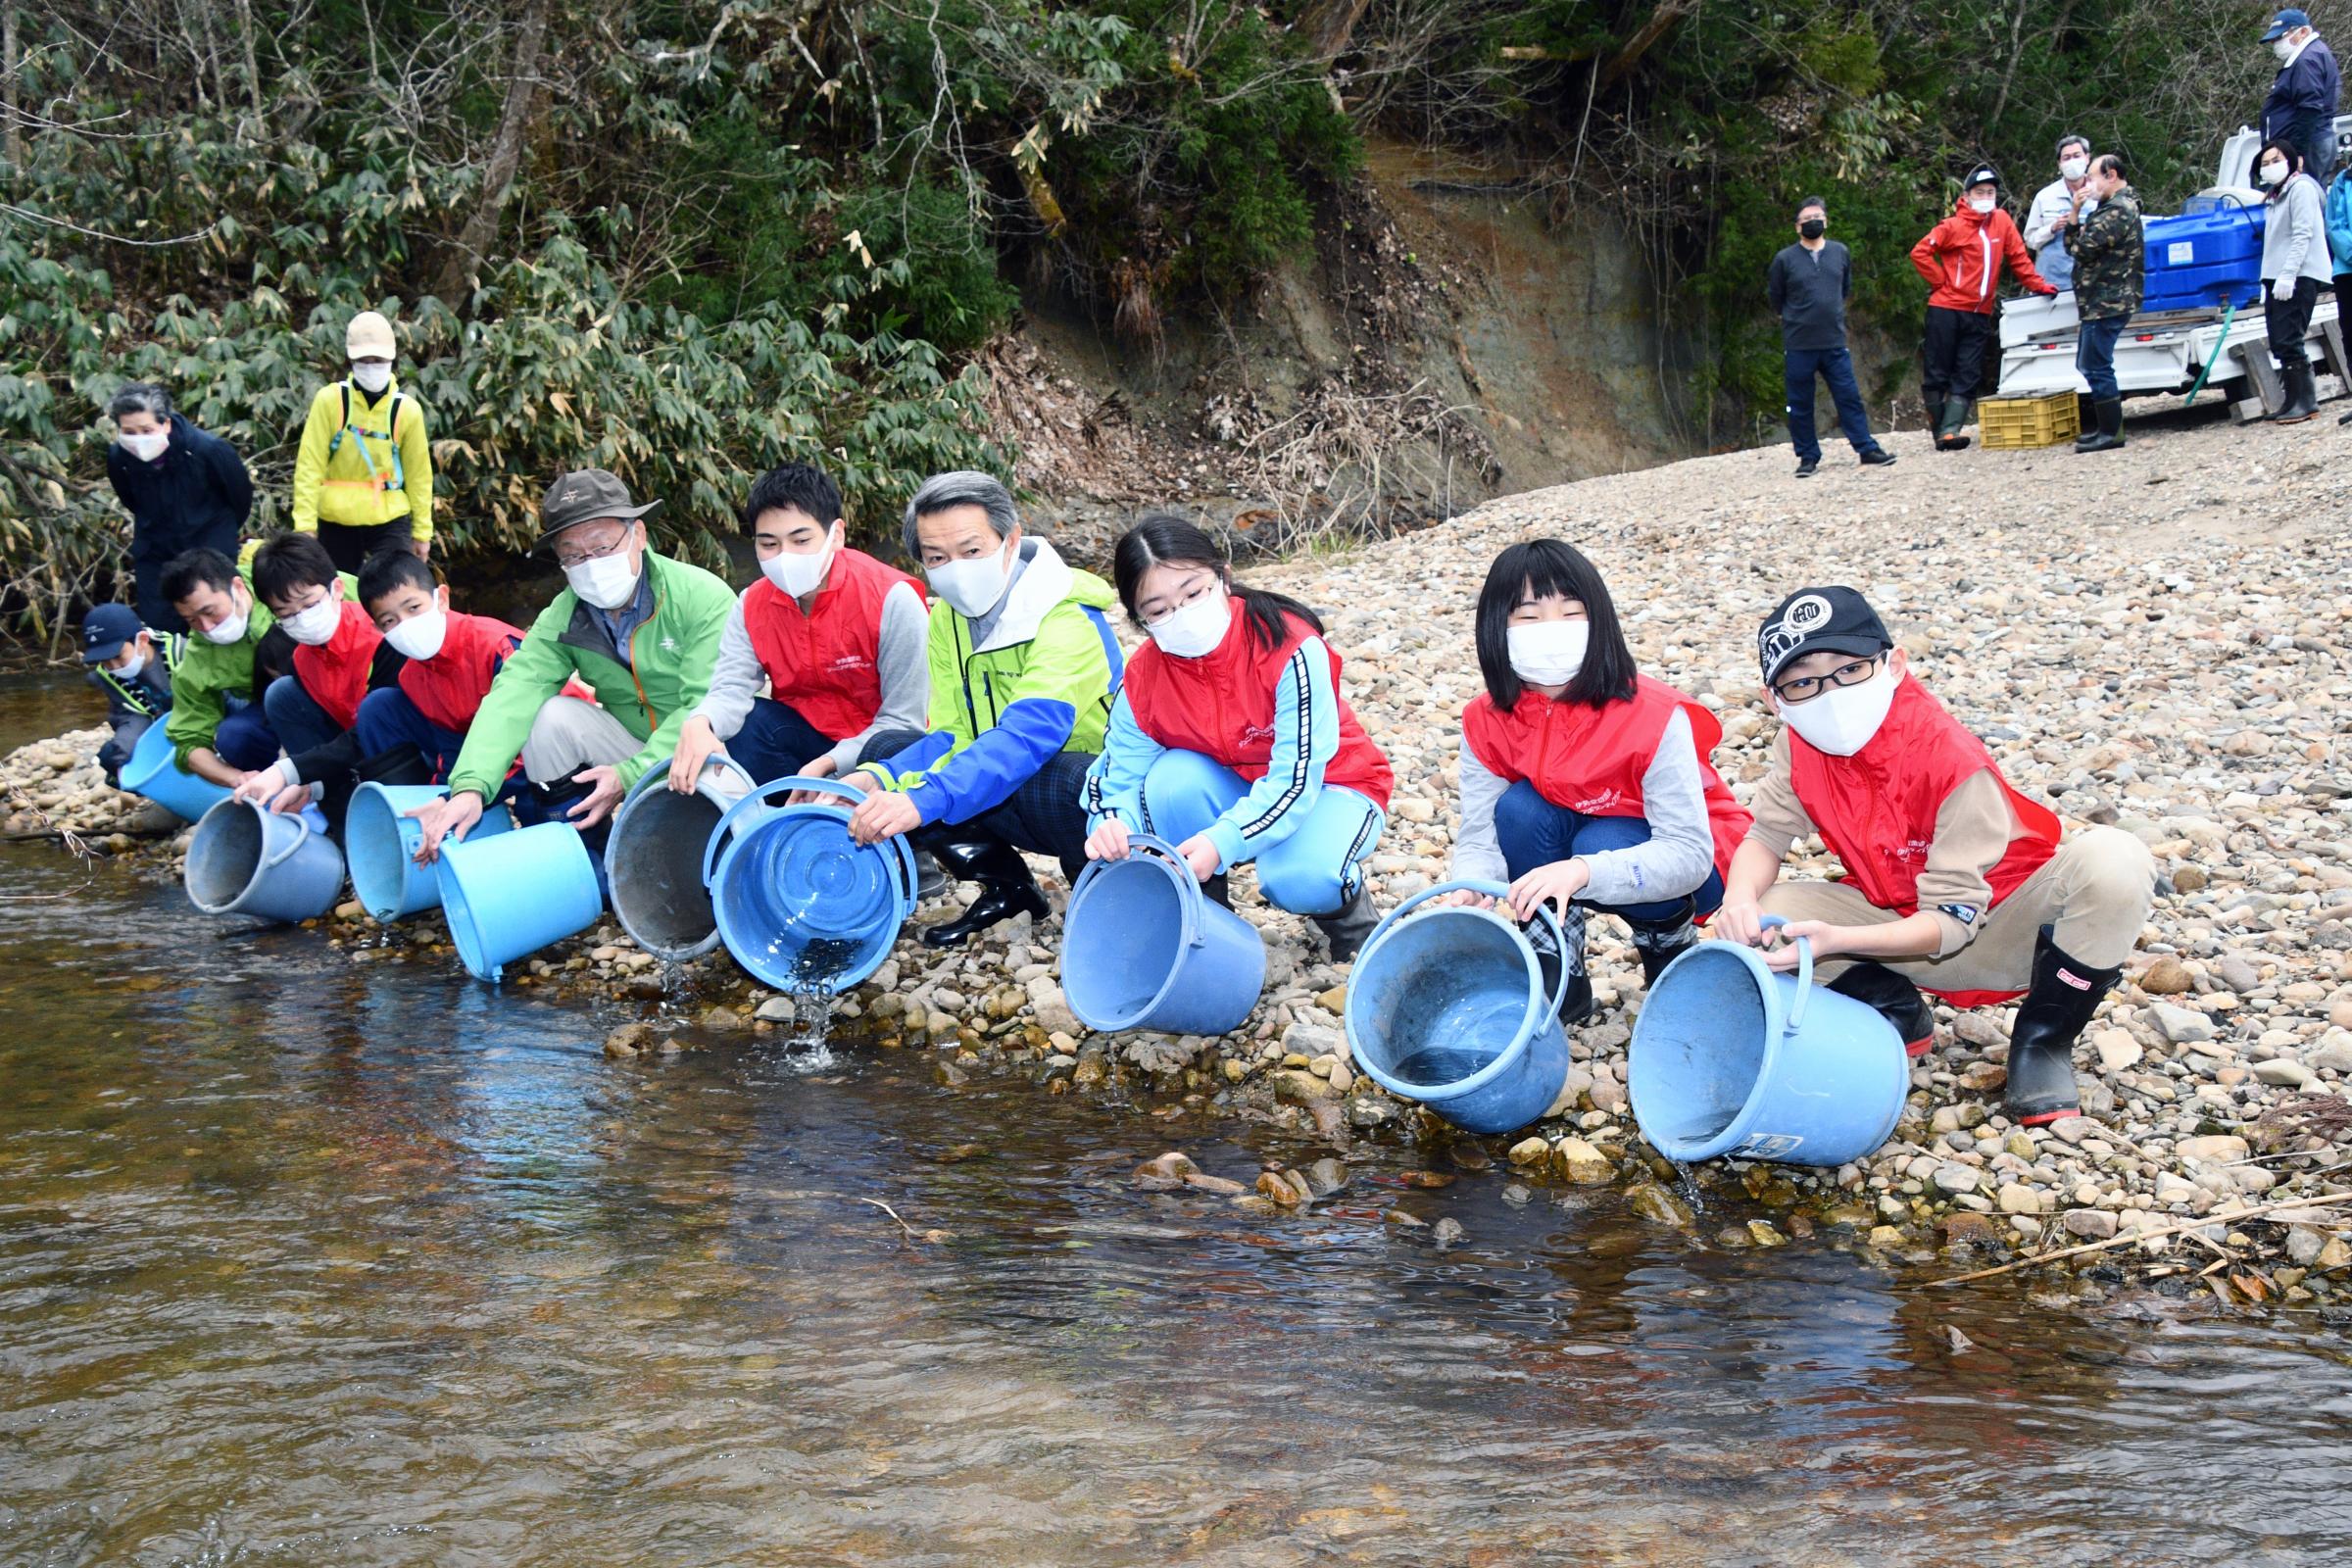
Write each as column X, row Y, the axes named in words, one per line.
column 104, row 631
column 584, row 496
column 1982, row 174
column 1813, row 621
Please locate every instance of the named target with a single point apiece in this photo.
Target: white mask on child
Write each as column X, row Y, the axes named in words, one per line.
column 130, row 672
column 419, row 636
column 1842, row 720
column 1192, row 630
column 1548, row 652
column 315, row 626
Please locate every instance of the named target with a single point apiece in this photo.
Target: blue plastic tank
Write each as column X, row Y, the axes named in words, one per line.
column 2203, row 260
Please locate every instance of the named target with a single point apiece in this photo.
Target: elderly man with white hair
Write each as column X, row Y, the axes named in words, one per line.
column 1024, row 667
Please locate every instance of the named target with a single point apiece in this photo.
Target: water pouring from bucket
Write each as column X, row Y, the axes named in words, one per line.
column 1729, row 1058
column 1450, row 1009
column 798, row 903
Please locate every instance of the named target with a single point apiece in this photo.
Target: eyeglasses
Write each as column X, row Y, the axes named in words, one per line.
column 1804, row 688
column 570, row 560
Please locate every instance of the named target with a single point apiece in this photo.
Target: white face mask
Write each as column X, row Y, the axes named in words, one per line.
column 312, row 627
column 147, row 447
column 1192, row 630
column 608, row 582
column 231, row 630
column 130, row 672
column 972, row 587
column 371, row 378
column 800, row 575
column 419, row 636
column 2074, row 168
column 1842, row 720
column 2284, row 49
column 1980, row 204
column 1548, row 652
column 2274, row 173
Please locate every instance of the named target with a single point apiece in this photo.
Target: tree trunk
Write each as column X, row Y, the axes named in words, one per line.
column 14, row 146
column 505, row 156
column 1329, row 26
column 1661, row 22
column 253, row 69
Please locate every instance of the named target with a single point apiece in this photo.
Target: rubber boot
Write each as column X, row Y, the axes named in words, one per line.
column 1897, row 1001
column 1956, row 413
column 1576, row 1002
column 1006, row 889
column 2110, row 433
column 2041, row 1043
column 929, row 880
column 1935, row 424
column 1661, row 941
column 2302, row 394
column 1345, row 930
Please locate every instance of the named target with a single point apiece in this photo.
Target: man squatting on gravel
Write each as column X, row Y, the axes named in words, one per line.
column 1955, row 882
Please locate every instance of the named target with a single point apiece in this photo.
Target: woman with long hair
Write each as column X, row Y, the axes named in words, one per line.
column 1585, row 784
column 1230, row 738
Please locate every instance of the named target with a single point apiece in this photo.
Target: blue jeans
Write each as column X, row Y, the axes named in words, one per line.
column 245, row 739
column 1835, row 365
column 2095, row 354
column 300, row 723
column 1533, row 832
column 1315, row 871
column 777, row 742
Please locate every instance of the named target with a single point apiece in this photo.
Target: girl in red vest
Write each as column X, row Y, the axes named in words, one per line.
column 1231, row 739
column 1953, row 880
column 1585, row 784
column 837, row 638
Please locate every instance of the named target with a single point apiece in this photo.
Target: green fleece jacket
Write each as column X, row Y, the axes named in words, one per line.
column 672, row 653
column 208, row 677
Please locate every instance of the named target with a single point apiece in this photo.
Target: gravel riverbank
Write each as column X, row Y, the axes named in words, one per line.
column 2160, row 639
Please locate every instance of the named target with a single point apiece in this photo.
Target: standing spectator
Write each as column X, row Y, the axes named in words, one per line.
column 2103, row 236
column 2295, row 265
column 364, row 476
column 2338, row 218
column 1962, row 259
column 2053, row 211
column 1808, row 285
column 185, row 490
column 2300, row 109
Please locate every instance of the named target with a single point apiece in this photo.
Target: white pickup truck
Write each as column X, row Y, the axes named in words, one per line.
column 2167, row 351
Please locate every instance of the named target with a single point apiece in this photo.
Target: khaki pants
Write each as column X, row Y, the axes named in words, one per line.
column 570, row 735
column 2095, row 893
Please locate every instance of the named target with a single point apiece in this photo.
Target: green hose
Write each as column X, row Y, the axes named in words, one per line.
column 2229, row 314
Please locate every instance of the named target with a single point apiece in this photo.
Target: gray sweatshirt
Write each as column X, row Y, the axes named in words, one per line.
column 1676, row 860
column 900, row 660
column 2294, row 238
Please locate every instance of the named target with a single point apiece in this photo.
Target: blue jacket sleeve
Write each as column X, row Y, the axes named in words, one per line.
column 1000, row 759
column 1114, row 784
column 1306, row 737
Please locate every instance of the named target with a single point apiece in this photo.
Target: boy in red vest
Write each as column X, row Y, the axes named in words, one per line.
column 837, row 638
column 450, row 660
column 1954, row 881
column 338, row 659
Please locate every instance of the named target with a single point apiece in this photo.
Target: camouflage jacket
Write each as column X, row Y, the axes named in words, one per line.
column 2108, row 261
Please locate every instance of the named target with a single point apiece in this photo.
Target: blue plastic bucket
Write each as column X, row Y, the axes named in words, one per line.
column 248, row 859
column 1144, row 947
column 510, row 895
column 152, row 771
column 1450, row 1009
column 381, row 839
column 799, row 904
column 1729, row 1057
column 655, row 852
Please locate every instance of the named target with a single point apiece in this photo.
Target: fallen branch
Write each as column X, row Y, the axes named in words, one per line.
column 894, row 1214
column 2313, row 1202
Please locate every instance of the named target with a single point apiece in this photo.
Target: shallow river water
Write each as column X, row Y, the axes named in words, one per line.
column 307, row 1261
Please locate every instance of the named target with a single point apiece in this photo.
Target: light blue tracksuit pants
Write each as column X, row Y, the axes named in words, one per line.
column 1312, row 870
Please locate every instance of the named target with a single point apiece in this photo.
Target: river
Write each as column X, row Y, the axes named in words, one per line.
column 309, row 1262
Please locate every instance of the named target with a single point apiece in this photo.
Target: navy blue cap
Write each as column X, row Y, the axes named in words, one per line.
column 2284, row 23
column 104, row 631
column 1814, row 620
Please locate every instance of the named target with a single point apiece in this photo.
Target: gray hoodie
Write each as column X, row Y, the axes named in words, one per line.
column 2294, row 238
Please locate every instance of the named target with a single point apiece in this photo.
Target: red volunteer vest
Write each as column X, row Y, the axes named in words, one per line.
column 1221, row 705
column 1591, row 760
column 447, row 688
column 1876, row 809
column 823, row 663
column 335, row 672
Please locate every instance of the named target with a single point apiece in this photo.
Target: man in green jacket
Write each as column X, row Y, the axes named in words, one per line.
column 216, row 728
column 1023, row 668
column 640, row 629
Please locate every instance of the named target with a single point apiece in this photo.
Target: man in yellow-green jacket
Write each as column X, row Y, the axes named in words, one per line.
column 364, row 476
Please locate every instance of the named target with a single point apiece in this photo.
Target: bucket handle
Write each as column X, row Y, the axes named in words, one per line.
column 302, row 836
column 1805, row 975
column 1496, row 891
column 1194, row 932
column 755, row 806
column 711, row 788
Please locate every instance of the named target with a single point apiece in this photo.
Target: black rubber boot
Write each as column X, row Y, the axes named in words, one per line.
column 1345, row 930
column 2110, row 433
column 1219, row 890
column 1955, row 418
column 2041, row 1043
column 2302, row 394
column 1660, row 942
column 1897, row 1001
column 1007, row 888
column 1576, row 1002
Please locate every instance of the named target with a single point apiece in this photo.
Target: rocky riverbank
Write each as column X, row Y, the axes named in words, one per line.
column 2159, row 639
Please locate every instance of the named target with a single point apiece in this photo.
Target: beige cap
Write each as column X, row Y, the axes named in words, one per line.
column 368, row 334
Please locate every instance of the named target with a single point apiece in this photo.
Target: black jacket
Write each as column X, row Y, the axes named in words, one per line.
column 197, row 493
column 1808, row 290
